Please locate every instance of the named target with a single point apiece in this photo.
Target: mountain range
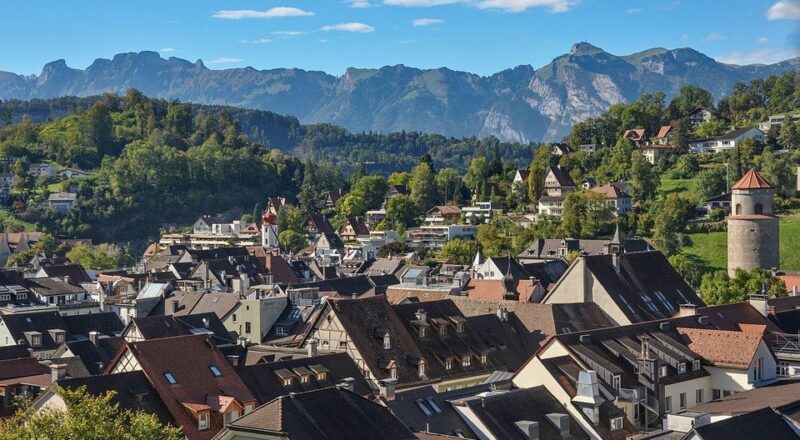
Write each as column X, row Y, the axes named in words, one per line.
column 521, row 104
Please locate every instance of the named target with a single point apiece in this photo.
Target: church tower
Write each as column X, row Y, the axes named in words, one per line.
column 752, row 226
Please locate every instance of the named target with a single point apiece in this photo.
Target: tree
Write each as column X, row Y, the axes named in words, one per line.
column 86, row 417
column 779, row 171
column 309, row 195
column 789, row 135
column 350, row 205
column 670, row 220
column 399, row 179
column 719, row 288
column 179, row 119
column 371, row 189
column 686, row 167
column 689, row 97
column 688, row 266
column 102, row 256
column 401, row 210
column 100, row 129
column 713, row 127
column 710, row 183
column 459, row 251
column 538, row 168
column 291, row 241
column 448, row 185
column 643, row 179
column 586, row 215
column 423, row 187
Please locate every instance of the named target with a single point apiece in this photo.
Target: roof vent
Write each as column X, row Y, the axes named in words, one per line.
column 586, row 339
column 664, row 326
column 702, row 320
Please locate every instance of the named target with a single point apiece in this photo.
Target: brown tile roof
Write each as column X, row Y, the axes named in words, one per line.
column 280, row 269
column 723, row 348
column 22, row 367
column 784, row 303
column 664, row 131
column 775, row 396
column 524, row 173
column 752, row 180
column 445, row 210
column 611, row 191
column 188, row 359
column 791, row 281
column 398, row 295
column 494, row 289
column 733, row 316
column 638, row 134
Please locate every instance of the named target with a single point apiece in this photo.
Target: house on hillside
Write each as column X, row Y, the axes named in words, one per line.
column 557, row 184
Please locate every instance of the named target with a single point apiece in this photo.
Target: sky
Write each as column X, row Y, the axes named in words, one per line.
column 479, row 36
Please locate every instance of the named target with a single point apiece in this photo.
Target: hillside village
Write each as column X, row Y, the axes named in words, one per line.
column 562, row 299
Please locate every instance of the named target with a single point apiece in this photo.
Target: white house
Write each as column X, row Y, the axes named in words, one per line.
column 41, row 169
column 557, row 183
column 727, row 141
column 618, row 200
column 62, row 201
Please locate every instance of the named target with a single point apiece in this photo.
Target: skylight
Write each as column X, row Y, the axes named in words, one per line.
column 215, row 371
column 170, row 378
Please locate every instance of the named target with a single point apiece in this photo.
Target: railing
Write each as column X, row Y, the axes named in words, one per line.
column 629, row 395
column 650, row 402
column 784, row 345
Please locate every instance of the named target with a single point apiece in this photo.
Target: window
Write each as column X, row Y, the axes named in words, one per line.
column 423, row 407
column 681, row 367
column 287, row 381
column 321, row 376
column 738, row 209
column 616, row 423
column 248, row 408
column 393, row 372
column 716, row 394
column 202, row 421
column 305, row 378
column 758, row 368
column 443, row 330
column 698, row 396
column 423, row 332
column 215, row 371
column 422, row 369
column 682, row 400
column 484, row 358
column 342, row 345
column 664, row 371
column 170, row 378
column 5, row 297
column 247, row 327
column 782, row 369
column 466, row 361
column 231, row 416
column 460, row 327
column 695, row 364
column 59, row 338
column 726, row 393
column 615, row 381
column 234, row 317
column 280, row 330
column 387, row 342
column 448, row 363
column 668, row 404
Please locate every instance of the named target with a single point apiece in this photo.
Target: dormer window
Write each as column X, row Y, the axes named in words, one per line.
column 484, row 358
column 170, row 378
column 422, row 369
column 393, row 372
column 616, row 381
column 215, row 371
column 663, row 371
column 695, row 364
column 36, row 340
column 681, row 367
column 280, row 330
column 616, row 423
column 442, row 330
column 202, row 421
column 448, row 363
column 466, row 360
column 305, row 378
column 423, row 332
column 387, row 342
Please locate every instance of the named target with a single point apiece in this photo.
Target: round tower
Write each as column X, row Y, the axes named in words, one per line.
column 752, row 227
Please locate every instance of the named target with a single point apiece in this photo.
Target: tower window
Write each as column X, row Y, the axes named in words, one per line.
column 738, row 208
column 759, row 209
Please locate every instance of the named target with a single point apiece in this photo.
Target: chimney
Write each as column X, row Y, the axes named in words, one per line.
column 560, row 422
column 67, row 279
column 530, row 430
column 687, row 310
column 233, row 360
column 759, row 302
column 349, row 384
column 57, row 372
column 421, row 315
column 205, row 322
column 588, row 395
column 243, row 341
column 794, row 289
column 174, row 306
column 387, row 387
column 615, row 261
column 94, row 336
column 312, row 348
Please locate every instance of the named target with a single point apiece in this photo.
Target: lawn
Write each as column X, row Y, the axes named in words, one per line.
column 667, row 186
column 712, row 248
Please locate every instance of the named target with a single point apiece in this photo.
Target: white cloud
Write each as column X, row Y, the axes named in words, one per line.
column 784, row 10
column 350, row 27
column 422, row 22
column 360, row 4
column 634, row 10
column 166, row 50
column 277, row 12
column 225, row 60
column 504, row 5
column 761, row 56
column 258, row 41
column 288, row 33
column 763, row 40
column 715, row 36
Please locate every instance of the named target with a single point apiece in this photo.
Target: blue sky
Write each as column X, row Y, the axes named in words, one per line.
column 481, row 36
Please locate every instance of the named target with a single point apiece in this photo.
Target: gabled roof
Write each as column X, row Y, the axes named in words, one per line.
column 500, row 412
column 774, row 396
column 106, row 323
column 664, row 131
column 524, row 173
column 611, row 191
column 95, row 358
column 752, row 180
column 76, row 273
column 187, row 359
column 262, row 381
column 42, row 322
column 636, row 134
column 320, row 223
column 52, row 286
column 562, row 176
column 358, row 224
column 733, row 134
column 366, row 321
column 326, row 414
column 723, row 348
column 192, row 303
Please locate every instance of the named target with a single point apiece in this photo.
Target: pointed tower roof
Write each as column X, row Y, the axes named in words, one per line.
column 616, row 239
column 752, row 180
column 478, row 260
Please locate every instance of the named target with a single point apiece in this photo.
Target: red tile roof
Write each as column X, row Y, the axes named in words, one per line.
column 723, row 348
column 494, row 289
column 637, row 132
column 791, row 281
column 752, row 180
column 664, row 131
column 611, row 191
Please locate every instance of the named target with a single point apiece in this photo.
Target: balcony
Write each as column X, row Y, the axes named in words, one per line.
column 785, row 346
